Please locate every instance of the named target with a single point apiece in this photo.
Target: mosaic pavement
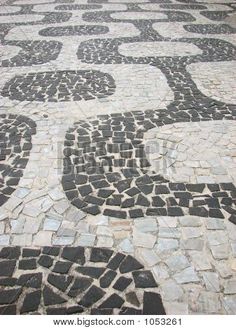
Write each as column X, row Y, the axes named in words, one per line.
column 117, row 157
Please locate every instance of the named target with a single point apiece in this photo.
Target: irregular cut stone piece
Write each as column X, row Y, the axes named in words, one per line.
column 144, row 279
column 51, row 298
column 31, row 302
column 114, row 301
column 130, row 264
column 91, row 296
column 152, row 304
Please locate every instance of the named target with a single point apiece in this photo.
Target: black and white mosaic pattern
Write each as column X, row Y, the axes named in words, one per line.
column 210, row 29
column 74, row 30
column 33, row 53
column 16, row 133
column 60, row 86
column 76, row 280
column 106, row 170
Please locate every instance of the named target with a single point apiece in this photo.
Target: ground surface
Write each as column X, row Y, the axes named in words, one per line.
column 117, row 163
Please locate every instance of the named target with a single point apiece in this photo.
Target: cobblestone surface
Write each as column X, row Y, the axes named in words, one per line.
column 117, row 157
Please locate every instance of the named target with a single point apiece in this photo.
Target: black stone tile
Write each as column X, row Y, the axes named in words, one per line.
column 122, row 283
column 74, row 254
column 216, row 213
column 94, row 200
column 61, row 282
column 228, row 186
column 152, row 304
column 114, row 301
column 31, row 302
column 85, row 190
column 142, row 201
column 132, row 298
column 27, row 264
column 100, row 255
column 45, row 261
column 56, row 311
column 30, row 252
column 123, row 185
column 135, row 213
column 175, row 211
column 146, row 189
column 91, row 296
column 198, row 211
column 51, row 298
column 100, row 184
column 107, row 278
column 105, row 193
column 129, row 264
column 11, row 282
column 115, row 213
column 232, row 219
column 144, row 279
column 93, row 210
column 10, row 252
column 74, row 310
column 53, row 251
column 132, row 191
column 213, row 187
column 177, row 187
column 9, row 296
column 80, row 285
column 115, row 261
column 157, row 201
column 127, row 203
column 161, row 189
column 130, row 311
column 93, row 272
column 62, row 267
column 8, row 310
column 7, row 267
column 156, row 212
column 32, row 280
column 195, row 187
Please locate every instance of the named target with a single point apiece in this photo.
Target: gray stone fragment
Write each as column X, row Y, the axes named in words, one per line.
column 144, row 240
column 200, row 260
column 177, row 262
column 229, row 304
column 176, row 308
column 86, row 240
column 192, row 244
column 32, row 225
column 215, row 224
column 62, row 240
column 165, row 246
column 17, row 225
column 146, row 225
column 211, row 280
column 171, row 291
column 4, row 240
column 21, row 192
column 52, row 223
column 149, row 257
column 216, row 238
column 208, row 303
column 230, row 287
column 160, row 272
column 126, row 246
column 190, row 221
column 186, row 276
column 169, row 232
column 221, row 251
